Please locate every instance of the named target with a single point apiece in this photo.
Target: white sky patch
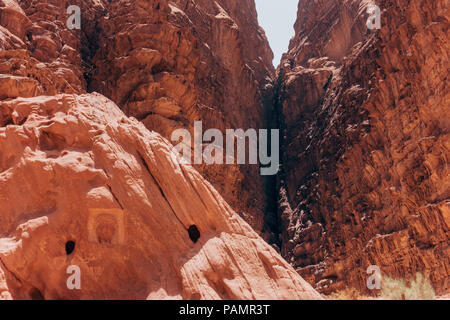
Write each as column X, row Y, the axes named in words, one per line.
column 277, row 17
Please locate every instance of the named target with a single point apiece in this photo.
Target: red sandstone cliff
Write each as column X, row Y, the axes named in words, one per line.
column 365, row 156
column 170, row 63
column 364, row 179
column 75, row 169
column 84, row 185
column 166, row 63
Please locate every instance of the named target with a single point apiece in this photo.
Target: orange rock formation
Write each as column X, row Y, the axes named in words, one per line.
column 166, row 63
column 75, row 169
column 365, row 168
column 84, row 187
column 87, row 176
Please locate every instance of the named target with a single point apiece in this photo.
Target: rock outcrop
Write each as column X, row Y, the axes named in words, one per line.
column 39, row 54
column 88, row 179
column 169, row 64
column 83, row 185
column 87, row 188
column 366, row 143
column 166, row 63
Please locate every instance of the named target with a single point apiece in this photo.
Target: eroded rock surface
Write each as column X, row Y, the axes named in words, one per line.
column 364, row 181
column 172, row 63
column 166, row 63
column 88, row 186
column 75, row 168
column 39, row 54
column 365, row 167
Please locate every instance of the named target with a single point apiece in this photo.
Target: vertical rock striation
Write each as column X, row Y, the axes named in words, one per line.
column 365, row 148
column 84, row 187
column 366, row 143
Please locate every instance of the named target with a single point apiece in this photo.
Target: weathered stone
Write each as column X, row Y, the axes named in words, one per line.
column 365, row 113
column 116, row 191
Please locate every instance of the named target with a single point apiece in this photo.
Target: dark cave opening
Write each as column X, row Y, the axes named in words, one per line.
column 70, row 247
column 36, row 294
column 194, row 233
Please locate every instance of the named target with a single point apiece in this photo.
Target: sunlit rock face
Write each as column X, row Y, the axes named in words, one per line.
column 167, row 64
column 88, row 177
column 38, row 49
column 366, row 143
column 97, row 206
column 83, row 185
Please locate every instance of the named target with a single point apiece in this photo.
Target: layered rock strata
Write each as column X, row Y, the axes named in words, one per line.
column 366, row 143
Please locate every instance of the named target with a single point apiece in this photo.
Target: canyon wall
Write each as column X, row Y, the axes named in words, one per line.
column 111, row 198
column 86, row 115
column 89, row 191
column 165, row 63
column 169, row 64
column 83, row 186
column 365, row 119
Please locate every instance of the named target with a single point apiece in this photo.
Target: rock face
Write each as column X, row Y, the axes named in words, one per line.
column 86, row 181
column 166, row 63
column 110, row 197
column 88, row 189
column 366, row 143
column 38, row 49
column 169, row 64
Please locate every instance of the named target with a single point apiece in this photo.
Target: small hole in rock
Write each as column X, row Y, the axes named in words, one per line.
column 194, row 234
column 35, row 294
column 70, row 246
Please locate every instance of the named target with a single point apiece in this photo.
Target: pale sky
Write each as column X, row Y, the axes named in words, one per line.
column 277, row 17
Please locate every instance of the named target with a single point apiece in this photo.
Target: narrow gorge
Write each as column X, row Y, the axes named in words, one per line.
column 89, row 178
